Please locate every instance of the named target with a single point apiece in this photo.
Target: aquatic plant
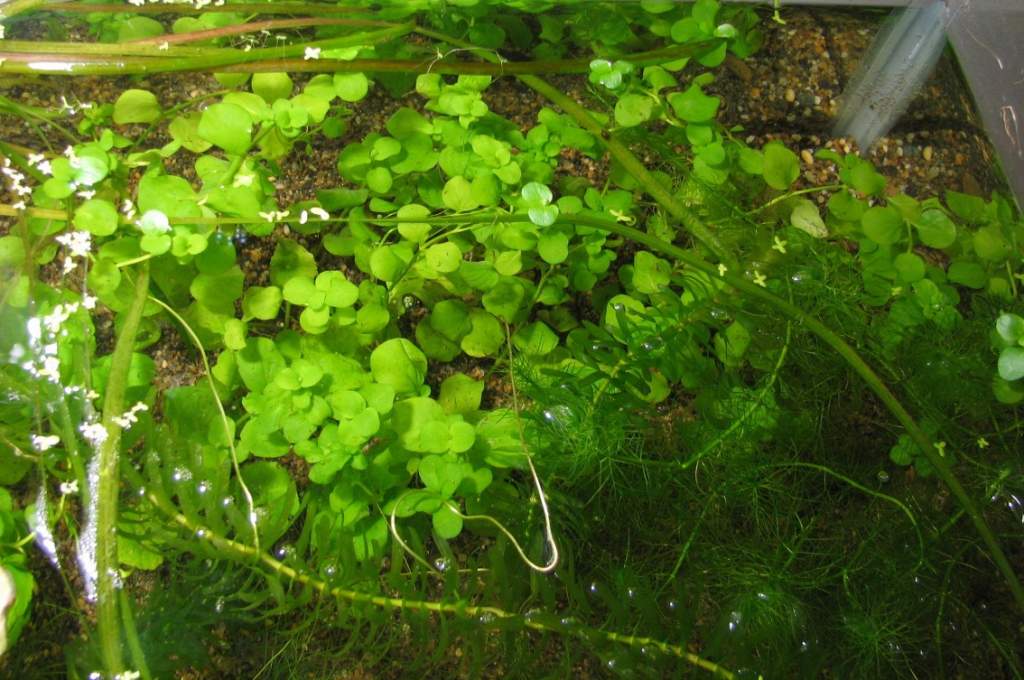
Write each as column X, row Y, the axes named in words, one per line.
column 422, row 409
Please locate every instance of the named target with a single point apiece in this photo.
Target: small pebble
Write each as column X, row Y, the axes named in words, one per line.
column 927, row 153
column 807, row 157
column 790, row 95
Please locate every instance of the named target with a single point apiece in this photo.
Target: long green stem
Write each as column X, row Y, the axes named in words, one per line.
column 230, row 549
column 109, row 479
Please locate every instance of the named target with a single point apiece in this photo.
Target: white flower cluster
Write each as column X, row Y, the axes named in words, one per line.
column 94, row 433
column 315, row 212
column 274, row 215
column 68, row 488
column 17, row 182
column 44, row 442
column 78, row 244
column 311, row 53
column 130, row 416
column 126, row 675
column 42, row 361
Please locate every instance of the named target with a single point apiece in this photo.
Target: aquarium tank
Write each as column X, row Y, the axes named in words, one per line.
column 511, row 339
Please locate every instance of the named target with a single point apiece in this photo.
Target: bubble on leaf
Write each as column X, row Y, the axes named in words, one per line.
column 202, row 488
column 181, row 474
column 441, row 564
column 593, row 587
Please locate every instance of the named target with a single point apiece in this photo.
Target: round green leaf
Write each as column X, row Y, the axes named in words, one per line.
column 446, row 523
column 351, row 87
column 379, row 180
column 882, row 224
column 96, row 216
column 536, row 194
column 970, row 274
column 909, row 267
column 444, row 257
column 228, row 126
column 261, row 302
column 458, row 194
column 806, row 218
column 693, row 105
column 781, row 166
column 633, row 109
column 935, row 229
column 399, row 364
column 136, row 106
column 486, row 336
column 1011, row 364
column 272, row 86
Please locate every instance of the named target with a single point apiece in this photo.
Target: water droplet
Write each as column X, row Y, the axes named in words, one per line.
column 200, row 533
column 630, row 593
column 441, row 564
column 619, row 307
column 762, row 596
column 883, row 476
column 734, row 621
column 142, row 491
column 611, row 664
column 330, row 570
column 644, row 650
column 672, row 605
column 805, row 646
column 283, row 552
column 593, row 587
column 181, row 474
column 226, row 501
column 202, row 488
column 218, row 606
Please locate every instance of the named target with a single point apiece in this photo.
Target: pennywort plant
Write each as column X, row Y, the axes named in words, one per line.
column 364, row 417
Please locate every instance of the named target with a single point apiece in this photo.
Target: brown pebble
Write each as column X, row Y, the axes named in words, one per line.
column 959, row 159
column 927, row 153
column 790, row 95
column 755, row 93
column 807, row 157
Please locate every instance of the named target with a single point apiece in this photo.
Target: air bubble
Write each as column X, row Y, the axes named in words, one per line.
column 567, row 621
column 486, row 618
column 181, row 474
column 202, row 488
column 619, row 307
column 593, row 588
column 226, row 501
column 883, row 476
column 441, row 564
column 672, row 605
column 283, row 552
column 611, row 664
column 630, row 593
column 218, row 606
column 200, row 533
column 735, row 618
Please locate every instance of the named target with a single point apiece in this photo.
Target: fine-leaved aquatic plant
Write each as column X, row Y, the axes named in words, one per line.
column 325, row 439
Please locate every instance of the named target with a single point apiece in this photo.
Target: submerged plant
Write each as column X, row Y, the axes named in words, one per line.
column 459, row 395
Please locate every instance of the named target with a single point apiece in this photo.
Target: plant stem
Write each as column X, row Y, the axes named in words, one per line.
column 234, row 550
column 109, row 481
column 166, row 8
column 254, row 26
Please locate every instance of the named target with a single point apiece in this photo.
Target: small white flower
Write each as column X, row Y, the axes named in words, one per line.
column 303, row 217
column 68, row 488
column 78, row 242
column 44, row 442
column 164, row 46
column 86, row 194
column 311, row 53
column 320, row 212
column 1, row 31
column 88, row 301
column 19, row 206
column 722, row 269
column 94, row 433
column 128, row 675
column 242, row 181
